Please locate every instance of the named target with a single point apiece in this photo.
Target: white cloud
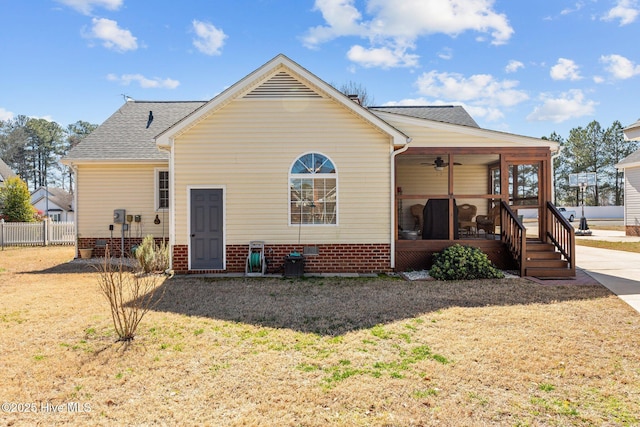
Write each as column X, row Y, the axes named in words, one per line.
column 144, row 82
column 513, row 66
column 569, row 105
column 626, row 11
column 565, row 69
column 396, row 24
column 381, row 57
column 86, row 6
column 445, row 53
column 112, row 36
column 5, row 115
column 620, row 67
column 209, row 39
column 342, row 18
column 478, row 89
column 569, row 10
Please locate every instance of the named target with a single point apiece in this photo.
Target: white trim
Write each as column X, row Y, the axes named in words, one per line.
column 310, row 176
column 468, row 130
column 77, row 162
column 224, row 220
column 156, row 189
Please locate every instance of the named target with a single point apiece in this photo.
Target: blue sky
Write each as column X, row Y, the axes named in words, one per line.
column 526, row 67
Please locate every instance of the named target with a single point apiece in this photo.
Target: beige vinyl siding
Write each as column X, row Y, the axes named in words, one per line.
column 249, row 146
column 103, row 188
column 632, row 196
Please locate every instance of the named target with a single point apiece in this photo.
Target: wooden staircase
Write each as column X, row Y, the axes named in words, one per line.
column 544, row 261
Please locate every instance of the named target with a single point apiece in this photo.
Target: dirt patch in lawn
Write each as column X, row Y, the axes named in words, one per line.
column 314, row 352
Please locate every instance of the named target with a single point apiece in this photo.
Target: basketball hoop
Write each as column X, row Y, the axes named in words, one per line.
column 583, row 180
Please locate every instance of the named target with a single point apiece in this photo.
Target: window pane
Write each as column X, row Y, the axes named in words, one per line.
column 163, row 189
column 313, row 191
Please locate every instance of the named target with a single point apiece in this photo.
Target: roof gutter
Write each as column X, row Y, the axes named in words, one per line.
column 392, row 203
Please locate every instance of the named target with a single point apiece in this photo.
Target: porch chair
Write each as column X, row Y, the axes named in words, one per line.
column 489, row 222
column 418, row 219
column 466, row 212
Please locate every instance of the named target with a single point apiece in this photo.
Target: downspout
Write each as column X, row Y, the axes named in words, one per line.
column 171, row 206
column 74, row 168
column 394, row 153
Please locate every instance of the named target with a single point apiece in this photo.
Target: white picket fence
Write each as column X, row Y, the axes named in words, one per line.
column 37, row 233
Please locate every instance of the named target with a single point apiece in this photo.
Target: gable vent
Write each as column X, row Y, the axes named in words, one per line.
column 282, row 85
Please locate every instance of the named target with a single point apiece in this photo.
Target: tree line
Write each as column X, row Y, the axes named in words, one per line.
column 33, row 148
column 591, row 149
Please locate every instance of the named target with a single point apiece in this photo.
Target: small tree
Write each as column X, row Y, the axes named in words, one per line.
column 130, row 292
column 15, row 201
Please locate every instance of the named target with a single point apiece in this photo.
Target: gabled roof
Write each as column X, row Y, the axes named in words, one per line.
column 128, row 135
column 633, row 131
column 632, row 160
column 267, row 81
column 453, row 114
column 5, row 171
column 57, row 196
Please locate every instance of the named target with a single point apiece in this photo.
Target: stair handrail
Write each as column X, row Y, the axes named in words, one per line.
column 561, row 234
column 514, row 235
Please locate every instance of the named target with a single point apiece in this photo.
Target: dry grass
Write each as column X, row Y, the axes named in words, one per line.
column 345, row 352
column 617, row 246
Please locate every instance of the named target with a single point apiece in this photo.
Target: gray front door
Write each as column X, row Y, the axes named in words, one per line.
column 207, row 251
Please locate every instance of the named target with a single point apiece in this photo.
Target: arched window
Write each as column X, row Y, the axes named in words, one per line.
column 313, row 195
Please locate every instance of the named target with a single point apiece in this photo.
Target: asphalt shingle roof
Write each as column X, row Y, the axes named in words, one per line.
column 631, row 158
column 5, row 171
column 453, row 114
column 129, row 134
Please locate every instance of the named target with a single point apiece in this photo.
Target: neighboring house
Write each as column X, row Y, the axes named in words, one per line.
column 54, row 203
column 630, row 166
column 284, row 158
column 5, row 172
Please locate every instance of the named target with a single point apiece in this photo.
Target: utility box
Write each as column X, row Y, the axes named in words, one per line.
column 294, row 265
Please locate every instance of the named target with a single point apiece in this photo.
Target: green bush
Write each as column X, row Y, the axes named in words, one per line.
column 459, row 262
column 152, row 258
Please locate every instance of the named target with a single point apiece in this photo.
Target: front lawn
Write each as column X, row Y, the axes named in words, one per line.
column 314, row 352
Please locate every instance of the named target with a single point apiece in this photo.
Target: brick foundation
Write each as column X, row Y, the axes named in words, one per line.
column 99, row 245
column 343, row 258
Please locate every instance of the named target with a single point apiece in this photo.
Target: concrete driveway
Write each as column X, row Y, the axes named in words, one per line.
column 617, row 270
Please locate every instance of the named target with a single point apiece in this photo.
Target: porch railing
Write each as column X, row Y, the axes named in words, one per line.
column 561, row 233
column 514, row 235
column 36, row 233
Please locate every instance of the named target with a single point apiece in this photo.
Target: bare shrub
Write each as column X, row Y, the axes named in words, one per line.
column 130, row 292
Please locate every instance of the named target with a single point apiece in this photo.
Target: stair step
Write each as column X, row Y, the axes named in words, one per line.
column 547, row 263
column 543, row 255
column 548, row 272
column 536, row 246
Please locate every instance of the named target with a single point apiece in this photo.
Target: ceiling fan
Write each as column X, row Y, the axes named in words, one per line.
column 439, row 163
